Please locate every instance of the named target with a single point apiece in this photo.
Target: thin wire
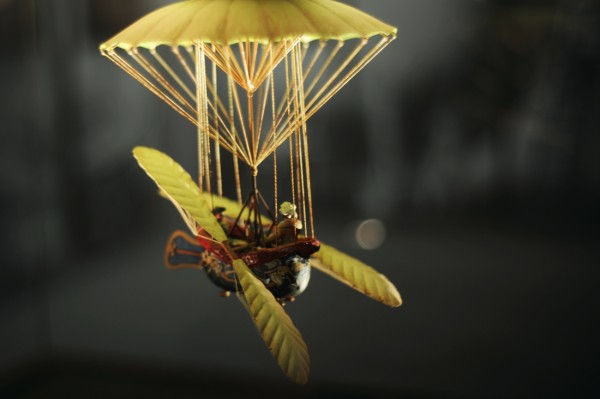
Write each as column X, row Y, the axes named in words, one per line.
column 314, row 59
column 275, row 177
column 299, row 179
column 148, row 67
column 322, row 70
column 355, row 70
column 291, row 144
column 263, row 68
column 244, row 57
column 236, row 166
column 188, row 70
column 199, row 96
column 216, row 122
column 119, row 61
column 305, row 145
column 175, row 77
column 296, row 78
column 184, row 64
column 253, row 140
column 264, row 94
column 253, row 57
column 332, row 78
column 207, row 157
column 240, row 116
column 290, row 124
column 232, row 64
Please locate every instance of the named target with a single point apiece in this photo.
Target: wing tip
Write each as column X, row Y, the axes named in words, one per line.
column 139, row 148
column 300, row 379
column 395, row 303
column 395, row 298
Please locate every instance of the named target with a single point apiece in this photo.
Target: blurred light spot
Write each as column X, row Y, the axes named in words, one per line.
column 370, row 234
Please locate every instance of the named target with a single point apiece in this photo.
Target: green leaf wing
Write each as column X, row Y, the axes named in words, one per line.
column 356, row 274
column 274, row 325
column 179, row 187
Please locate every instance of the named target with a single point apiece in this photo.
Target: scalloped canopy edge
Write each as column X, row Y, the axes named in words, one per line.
column 225, row 22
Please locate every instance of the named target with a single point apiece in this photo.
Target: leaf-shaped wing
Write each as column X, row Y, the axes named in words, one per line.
column 356, row 274
column 274, row 325
column 179, row 187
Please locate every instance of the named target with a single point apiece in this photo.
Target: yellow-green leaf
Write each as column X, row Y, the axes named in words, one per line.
column 356, row 274
column 179, row 187
column 274, row 325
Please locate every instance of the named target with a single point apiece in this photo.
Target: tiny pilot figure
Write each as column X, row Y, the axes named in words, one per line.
column 286, row 231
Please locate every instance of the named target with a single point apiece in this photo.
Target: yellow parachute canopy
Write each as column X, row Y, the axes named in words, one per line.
column 226, row 22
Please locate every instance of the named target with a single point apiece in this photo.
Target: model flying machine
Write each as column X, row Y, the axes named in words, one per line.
column 249, row 74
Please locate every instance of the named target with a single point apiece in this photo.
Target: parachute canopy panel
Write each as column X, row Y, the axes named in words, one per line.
column 226, row 22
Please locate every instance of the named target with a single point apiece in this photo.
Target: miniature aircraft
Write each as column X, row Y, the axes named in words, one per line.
column 249, row 75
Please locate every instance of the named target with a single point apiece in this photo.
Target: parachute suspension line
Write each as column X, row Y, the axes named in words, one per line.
column 314, row 59
column 254, row 55
column 333, row 77
column 151, row 70
column 248, row 63
column 288, row 125
column 322, row 70
column 277, row 136
column 245, row 62
column 226, row 60
column 337, row 76
column 291, row 139
column 275, row 193
column 216, row 136
column 312, row 63
column 119, row 61
column 203, row 126
column 206, row 141
column 312, row 109
column 304, row 52
column 292, row 178
column 235, row 146
column 234, row 104
column 200, row 125
column 217, row 132
column 275, row 177
column 238, row 107
column 295, row 56
column 184, row 64
column 236, row 164
column 298, row 183
column 299, row 76
column 300, row 179
column 172, row 73
column 250, row 107
column 264, row 97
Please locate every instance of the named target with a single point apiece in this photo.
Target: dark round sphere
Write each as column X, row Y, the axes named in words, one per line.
column 286, row 277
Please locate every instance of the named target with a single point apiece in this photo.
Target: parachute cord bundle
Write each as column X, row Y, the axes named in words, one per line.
column 250, row 98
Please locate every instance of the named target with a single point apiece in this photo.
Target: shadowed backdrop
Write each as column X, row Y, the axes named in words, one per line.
column 470, row 146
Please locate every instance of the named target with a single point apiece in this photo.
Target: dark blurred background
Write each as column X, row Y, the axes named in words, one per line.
column 471, row 145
